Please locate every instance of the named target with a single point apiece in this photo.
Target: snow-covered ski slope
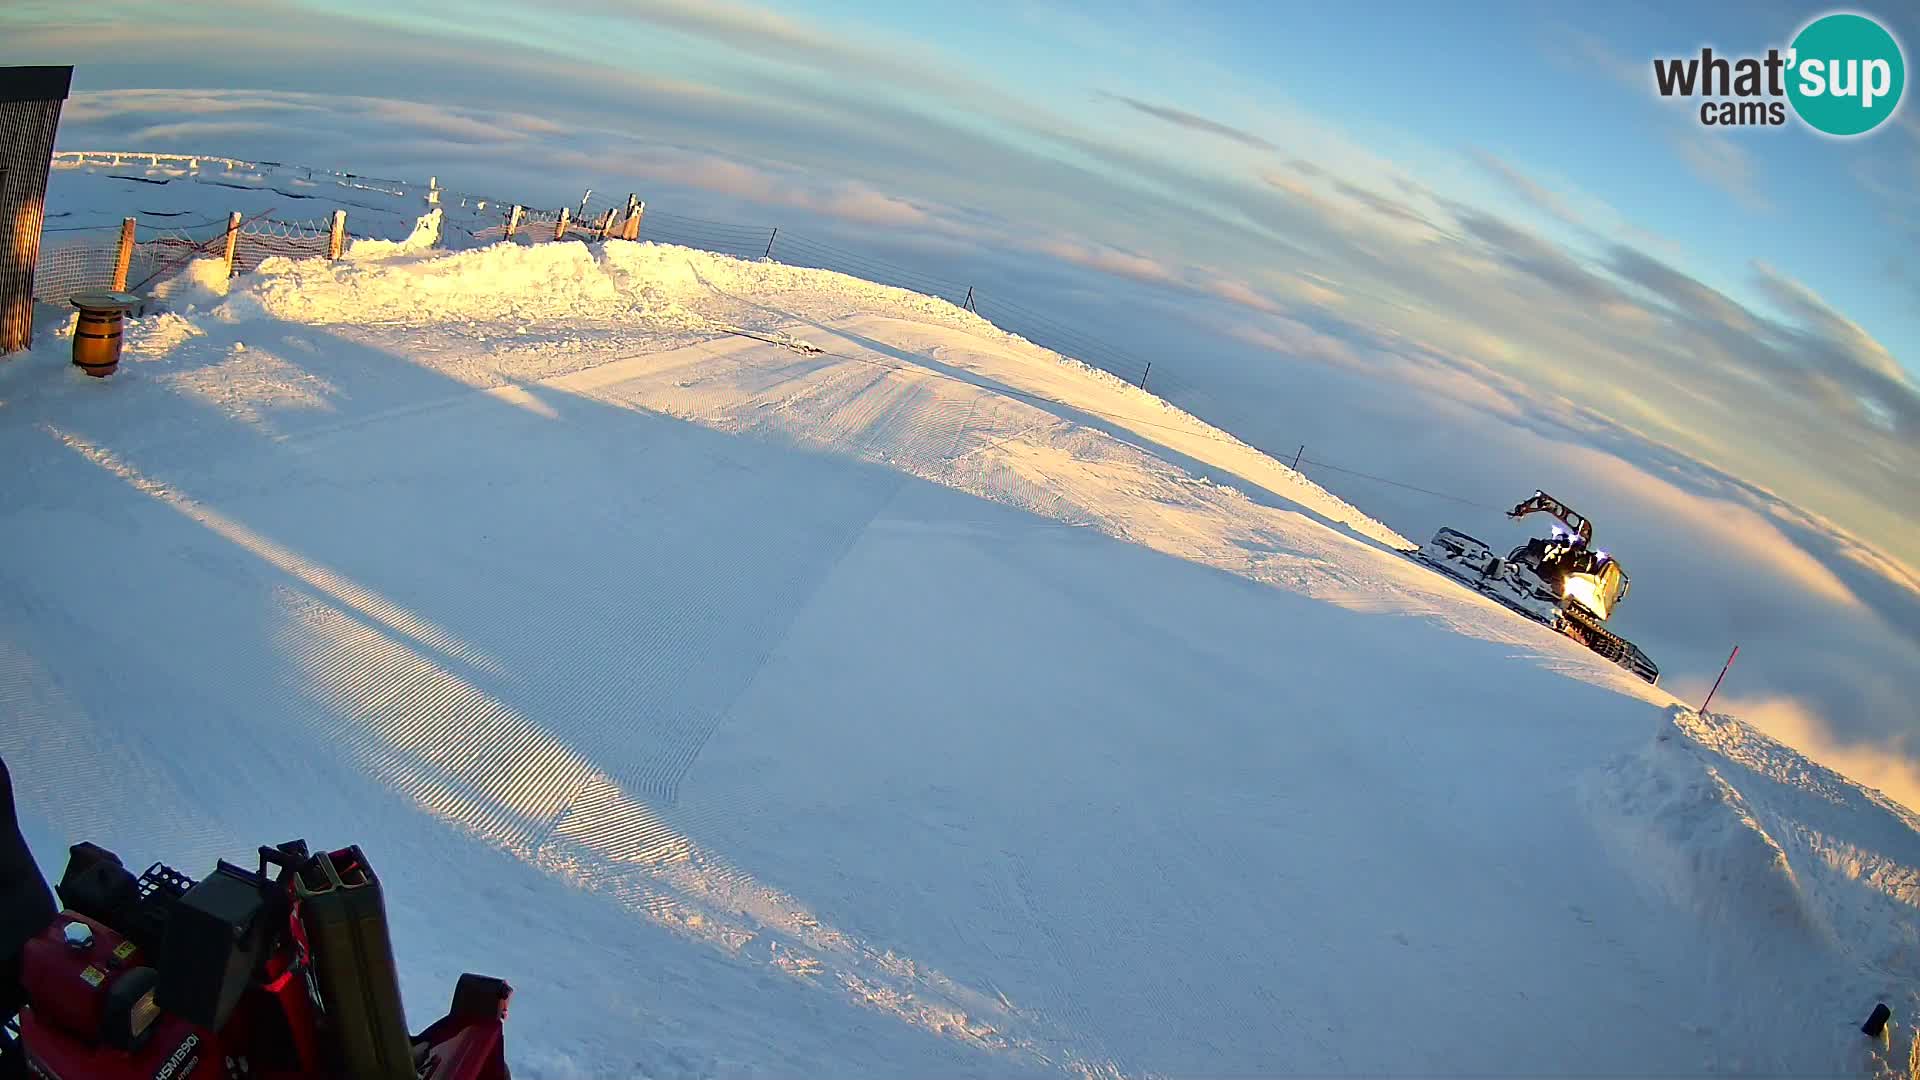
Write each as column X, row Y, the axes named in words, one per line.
column 775, row 674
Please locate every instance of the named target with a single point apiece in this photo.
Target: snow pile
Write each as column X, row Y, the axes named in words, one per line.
column 504, row 289
column 1785, row 865
column 774, row 673
column 424, row 237
column 203, row 283
column 503, row 283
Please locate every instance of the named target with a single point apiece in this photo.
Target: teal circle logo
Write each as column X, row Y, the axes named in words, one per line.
column 1846, row 74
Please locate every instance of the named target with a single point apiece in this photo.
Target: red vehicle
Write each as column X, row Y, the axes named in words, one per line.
column 282, row 971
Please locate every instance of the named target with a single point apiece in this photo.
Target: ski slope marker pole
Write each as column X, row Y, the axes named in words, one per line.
column 1716, row 682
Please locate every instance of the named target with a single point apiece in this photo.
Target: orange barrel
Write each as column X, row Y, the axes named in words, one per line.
column 96, row 340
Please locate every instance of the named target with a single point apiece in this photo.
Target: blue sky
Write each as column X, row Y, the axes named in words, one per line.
column 1477, row 253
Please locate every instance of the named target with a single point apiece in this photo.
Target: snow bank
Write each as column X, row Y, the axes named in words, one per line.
column 500, row 283
column 424, row 237
column 508, row 289
column 201, row 284
column 1784, row 866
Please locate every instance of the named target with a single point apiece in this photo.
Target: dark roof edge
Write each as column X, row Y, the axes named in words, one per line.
column 35, row 83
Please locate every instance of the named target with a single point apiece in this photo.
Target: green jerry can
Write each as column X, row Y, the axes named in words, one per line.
column 345, row 919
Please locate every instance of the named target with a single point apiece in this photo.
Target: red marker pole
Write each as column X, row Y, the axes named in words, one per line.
column 1716, row 682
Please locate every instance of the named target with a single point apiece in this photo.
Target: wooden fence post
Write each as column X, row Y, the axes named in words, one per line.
column 337, row 236
column 513, row 219
column 605, row 225
column 233, row 238
column 124, row 258
column 632, row 231
column 770, row 236
column 433, row 190
column 560, row 227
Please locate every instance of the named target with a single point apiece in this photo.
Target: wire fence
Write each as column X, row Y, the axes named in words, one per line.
column 264, row 238
column 79, row 259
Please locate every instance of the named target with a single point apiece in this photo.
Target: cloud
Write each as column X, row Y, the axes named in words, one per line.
column 1192, row 121
column 1827, row 358
column 1238, row 292
column 201, row 131
column 1889, row 765
column 446, row 123
column 858, row 203
column 1722, row 163
column 1535, row 194
column 1382, row 205
column 1109, row 261
column 772, row 187
column 1404, row 365
column 1533, row 255
column 1294, row 338
column 331, row 124
column 779, row 39
column 1715, row 158
column 92, row 106
column 1736, row 529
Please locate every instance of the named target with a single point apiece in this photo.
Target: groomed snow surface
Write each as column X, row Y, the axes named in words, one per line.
column 774, row 674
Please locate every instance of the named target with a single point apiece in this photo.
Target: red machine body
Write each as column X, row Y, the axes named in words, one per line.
column 91, row 1015
column 63, row 1030
column 176, row 1051
column 74, row 982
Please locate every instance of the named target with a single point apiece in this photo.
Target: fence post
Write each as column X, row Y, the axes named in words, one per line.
column 1296, row 456
column 968, row 303
column 633, row 220
column 605, row 225
column 124, row 258
column 776, row 232
column 1143, row 375
column 233, row 238
column 433, row 190
column 513, row 220
column 560, row 227
column 337, row 236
